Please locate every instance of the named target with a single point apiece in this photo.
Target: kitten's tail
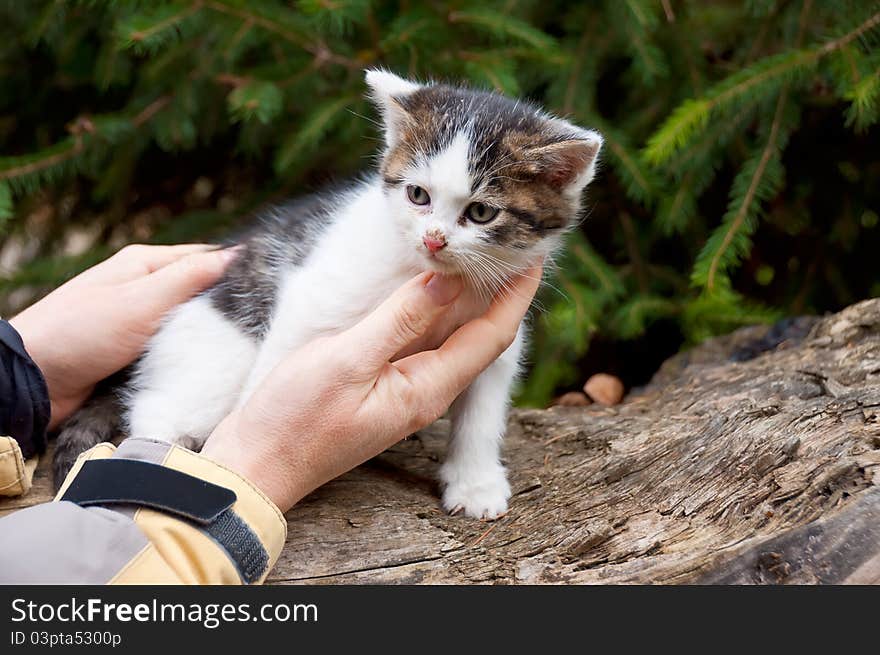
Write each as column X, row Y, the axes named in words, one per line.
column 98, row 420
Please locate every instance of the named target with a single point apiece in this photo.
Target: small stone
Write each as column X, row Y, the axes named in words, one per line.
column 571, row 399
column 604, row 389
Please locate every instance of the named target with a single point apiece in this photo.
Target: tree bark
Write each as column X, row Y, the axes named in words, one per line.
column 753, row 458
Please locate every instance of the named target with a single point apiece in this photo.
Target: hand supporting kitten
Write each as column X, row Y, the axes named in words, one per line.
column 291, row 437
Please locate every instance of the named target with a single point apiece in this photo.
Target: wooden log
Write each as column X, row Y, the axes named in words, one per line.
column 753, row 458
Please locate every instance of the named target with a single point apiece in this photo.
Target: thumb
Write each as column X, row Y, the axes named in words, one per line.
column 404, row 317
column 175, row 283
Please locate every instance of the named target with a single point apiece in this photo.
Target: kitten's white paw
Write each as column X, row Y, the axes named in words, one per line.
column 482, row 495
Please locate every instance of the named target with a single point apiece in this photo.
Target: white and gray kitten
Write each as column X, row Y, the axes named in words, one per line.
column 470, row 182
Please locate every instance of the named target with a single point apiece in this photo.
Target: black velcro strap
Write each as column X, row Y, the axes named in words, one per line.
column 209, row 506
column 135, row 482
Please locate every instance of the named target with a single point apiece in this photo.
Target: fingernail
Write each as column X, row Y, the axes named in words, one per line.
column 443, row 289
column 228, row 254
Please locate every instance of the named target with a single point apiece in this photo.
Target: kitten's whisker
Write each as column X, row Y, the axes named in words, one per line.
column 501, row 282
column 485, row 150
column 366, row 118
column 489, row 264
column 475, row 279
column 488, row 269
column 493, row 174
column 517, row 271
column 502, row 164
column 488, row 281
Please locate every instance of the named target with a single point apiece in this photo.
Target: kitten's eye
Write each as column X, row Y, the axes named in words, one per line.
column 417, row 195
column 480, row 213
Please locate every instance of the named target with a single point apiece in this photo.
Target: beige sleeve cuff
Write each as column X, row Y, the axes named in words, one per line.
column 16, row 475
column 178, row 550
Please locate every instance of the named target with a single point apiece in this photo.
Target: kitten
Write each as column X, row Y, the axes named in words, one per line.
column 470, row 182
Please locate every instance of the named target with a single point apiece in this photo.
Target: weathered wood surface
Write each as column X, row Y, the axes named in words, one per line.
column 733, row 466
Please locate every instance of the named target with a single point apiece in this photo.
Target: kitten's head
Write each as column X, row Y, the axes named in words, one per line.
column 479, row 183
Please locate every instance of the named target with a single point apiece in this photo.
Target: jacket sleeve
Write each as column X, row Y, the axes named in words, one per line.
column 24, row 413
column 146, row 512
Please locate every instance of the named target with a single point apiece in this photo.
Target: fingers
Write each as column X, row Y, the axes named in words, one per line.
column 441, row 375
column 180, row 280
column 404, row 317
column 152, row 258
column 137, row 260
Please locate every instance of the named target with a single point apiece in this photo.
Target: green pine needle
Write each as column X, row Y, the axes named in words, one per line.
column 146, row 33
column 300, row 142
column 255, row 100
column 633, row 317
column 758, row 181
column 864, row 97
column 6, row 208
column 504, row 25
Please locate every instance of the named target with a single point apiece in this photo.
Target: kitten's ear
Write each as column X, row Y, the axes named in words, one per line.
column 387, row 90
column 570, row 163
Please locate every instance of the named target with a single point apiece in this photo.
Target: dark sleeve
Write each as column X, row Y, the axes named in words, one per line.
column 24, row 397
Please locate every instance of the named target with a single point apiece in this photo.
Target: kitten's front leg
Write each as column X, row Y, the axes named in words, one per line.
column 472, row 475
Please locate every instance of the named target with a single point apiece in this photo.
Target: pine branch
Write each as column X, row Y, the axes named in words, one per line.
column 5, row 205
column 769, row 151
column 706, row 152
column 696, row 165
column 337, row 16
column 86, row 133
column 147, row 113
column 252, row 18
column 606, row 278
column 675, row 211
column 62, row 152
column 708, row 315
column 633, row 317
column 504, row 25
column 859, row 31
column 640, row 17
column 322, row 53
column 639, row 181
column 864, row 97
column 255, row 100
column 146, row 32
column 174, row 19
column 312, row 129
column 575, row 76
column 571, row 288
column 745, row 207
column 631, row 240
column 694, row 170
column 692, row 116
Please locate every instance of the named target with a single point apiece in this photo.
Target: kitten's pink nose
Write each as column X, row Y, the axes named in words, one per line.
column 434, row 242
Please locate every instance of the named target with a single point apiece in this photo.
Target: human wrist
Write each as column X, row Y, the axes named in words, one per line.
column 39, row 349
column 227, row 446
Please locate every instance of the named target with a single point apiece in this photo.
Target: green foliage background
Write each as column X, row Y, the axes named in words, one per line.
column 741, row 179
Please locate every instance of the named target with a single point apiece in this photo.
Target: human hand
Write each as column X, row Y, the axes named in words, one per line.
column 99, row 322
column 340, row 400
